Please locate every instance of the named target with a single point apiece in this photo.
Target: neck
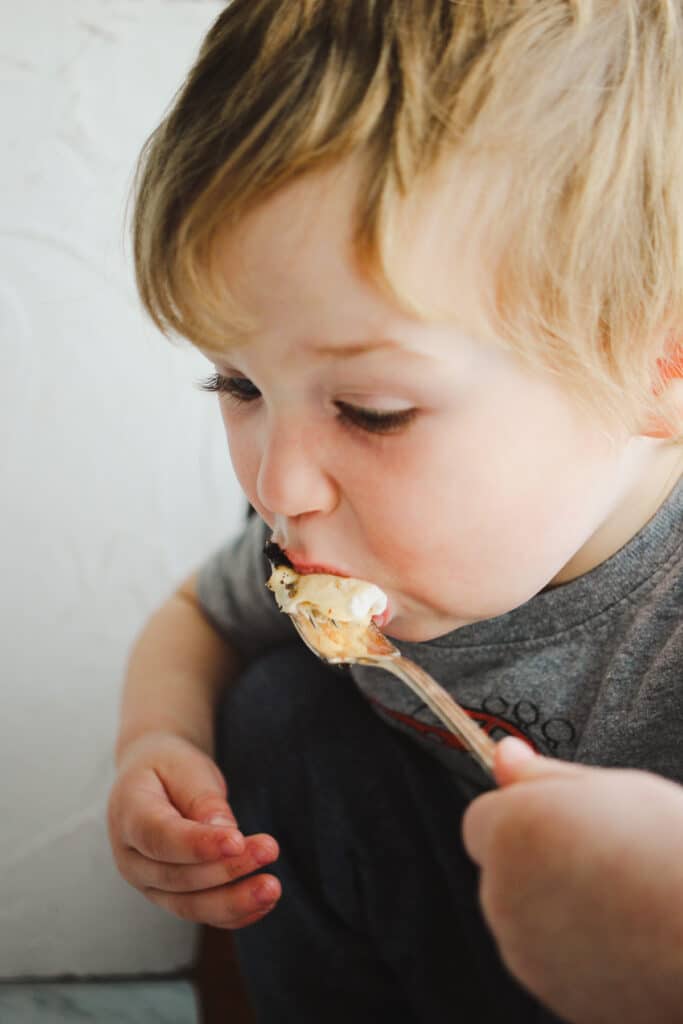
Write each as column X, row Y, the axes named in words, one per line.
column 651, row 484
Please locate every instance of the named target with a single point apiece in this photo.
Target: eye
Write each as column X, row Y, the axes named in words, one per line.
column 373, row 421
column 240, row 389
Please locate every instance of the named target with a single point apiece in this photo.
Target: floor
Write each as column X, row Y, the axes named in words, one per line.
column 121, row 1002
column 212, row 993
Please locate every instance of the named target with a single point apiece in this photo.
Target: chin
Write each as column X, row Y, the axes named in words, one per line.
column 420, row 629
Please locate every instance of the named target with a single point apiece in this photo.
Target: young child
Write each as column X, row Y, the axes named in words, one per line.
column 433, row 253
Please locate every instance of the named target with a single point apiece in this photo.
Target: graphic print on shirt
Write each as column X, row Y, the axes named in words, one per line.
column 498, row 718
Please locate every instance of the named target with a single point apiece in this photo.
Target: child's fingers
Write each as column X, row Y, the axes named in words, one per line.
column 511, row 757
column 232, row 906
column 197, row 788
column 517, row 762
column 178, row 878
column 517, row 768
column 164, row 835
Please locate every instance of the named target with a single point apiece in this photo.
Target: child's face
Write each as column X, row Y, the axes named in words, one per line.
column 485, row 488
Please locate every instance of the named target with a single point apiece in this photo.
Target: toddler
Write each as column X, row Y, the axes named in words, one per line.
column 432, row 251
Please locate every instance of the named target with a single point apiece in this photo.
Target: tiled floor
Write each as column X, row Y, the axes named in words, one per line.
column 138, row 1002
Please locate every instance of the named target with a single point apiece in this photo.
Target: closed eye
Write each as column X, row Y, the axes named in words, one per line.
column 372, row 421
column 240, row 389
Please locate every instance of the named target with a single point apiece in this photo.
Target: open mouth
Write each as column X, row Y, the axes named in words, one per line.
column 275, row 554
column 278, row 556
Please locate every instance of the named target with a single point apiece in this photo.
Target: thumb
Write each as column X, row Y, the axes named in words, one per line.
column 516, row 761
column 197, row 788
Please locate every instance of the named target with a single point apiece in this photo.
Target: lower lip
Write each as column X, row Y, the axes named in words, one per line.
column 382, row 620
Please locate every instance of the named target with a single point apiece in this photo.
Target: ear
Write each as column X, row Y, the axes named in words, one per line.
column 670, row 372
column 671, row 366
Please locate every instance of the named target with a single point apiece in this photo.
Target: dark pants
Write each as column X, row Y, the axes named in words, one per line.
column 379, row 917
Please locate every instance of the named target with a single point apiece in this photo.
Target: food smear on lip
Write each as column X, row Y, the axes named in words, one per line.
column 340, row 598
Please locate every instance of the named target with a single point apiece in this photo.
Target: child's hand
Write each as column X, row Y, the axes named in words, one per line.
column 174, row 836
column 582, row 885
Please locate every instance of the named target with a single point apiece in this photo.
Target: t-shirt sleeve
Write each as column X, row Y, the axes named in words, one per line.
column 233, row 594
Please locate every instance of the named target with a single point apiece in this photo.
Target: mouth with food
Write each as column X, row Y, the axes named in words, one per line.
column 337, row 597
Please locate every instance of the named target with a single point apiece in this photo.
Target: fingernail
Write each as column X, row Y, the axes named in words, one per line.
column 517, row 750
column 221, row 820
column 232, row 844
column 264, row 894
column 264, row 853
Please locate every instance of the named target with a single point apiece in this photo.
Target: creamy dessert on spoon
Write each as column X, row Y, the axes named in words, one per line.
column 334, row 617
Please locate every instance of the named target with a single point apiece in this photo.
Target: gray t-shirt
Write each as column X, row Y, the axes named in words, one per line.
column 590, row 671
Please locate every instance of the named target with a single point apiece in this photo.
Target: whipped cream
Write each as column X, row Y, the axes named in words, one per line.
column 340, row 598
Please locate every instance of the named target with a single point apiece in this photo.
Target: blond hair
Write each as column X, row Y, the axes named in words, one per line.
column 575, row 105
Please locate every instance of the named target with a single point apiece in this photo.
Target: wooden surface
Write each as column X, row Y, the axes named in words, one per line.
column 218, row 982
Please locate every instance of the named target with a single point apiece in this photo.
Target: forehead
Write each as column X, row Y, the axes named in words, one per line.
column 295, row 246
column 292, row 260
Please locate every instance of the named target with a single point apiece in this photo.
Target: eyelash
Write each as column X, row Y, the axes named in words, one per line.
column 239, row 390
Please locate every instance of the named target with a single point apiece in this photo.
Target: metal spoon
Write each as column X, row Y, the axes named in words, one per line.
column 352, row 643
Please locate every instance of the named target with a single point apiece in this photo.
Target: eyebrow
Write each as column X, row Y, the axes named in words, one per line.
column 355, row 348
column 350, row 350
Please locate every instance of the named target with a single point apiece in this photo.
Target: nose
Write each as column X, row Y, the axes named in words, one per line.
column 292, row 479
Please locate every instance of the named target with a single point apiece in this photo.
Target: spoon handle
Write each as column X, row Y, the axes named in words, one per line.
column 479, row 744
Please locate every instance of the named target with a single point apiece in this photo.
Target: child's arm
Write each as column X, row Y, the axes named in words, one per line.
column 172, row 831
column 582, row 886
column 176, row 672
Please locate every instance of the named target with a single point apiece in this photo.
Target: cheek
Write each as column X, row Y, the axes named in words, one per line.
column 462, row 508
column 244, row 454
column 397, row 499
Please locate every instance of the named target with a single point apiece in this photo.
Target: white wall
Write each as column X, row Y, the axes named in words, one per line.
column 115, row 476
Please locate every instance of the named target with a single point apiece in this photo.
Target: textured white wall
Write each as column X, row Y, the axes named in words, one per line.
column 115, row 477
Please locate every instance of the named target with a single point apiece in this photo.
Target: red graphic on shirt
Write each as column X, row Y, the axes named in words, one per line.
column 489, row 723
